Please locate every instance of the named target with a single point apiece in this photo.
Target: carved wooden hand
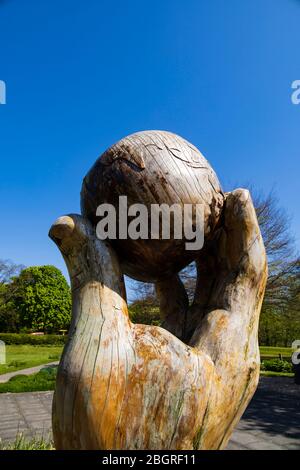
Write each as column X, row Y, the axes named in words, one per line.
column 127, row 386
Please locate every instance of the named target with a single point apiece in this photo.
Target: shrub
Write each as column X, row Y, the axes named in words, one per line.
column 277, row 365
column 15, row 338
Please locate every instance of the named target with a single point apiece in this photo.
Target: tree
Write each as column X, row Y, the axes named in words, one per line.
column 274, row 223
column 41, row 297
column 9, row 318
column 293, row 306
column 280, row 324
column 143, row 303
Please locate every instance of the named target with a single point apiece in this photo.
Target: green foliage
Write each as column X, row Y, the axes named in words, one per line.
column 279, row 327
column 42, row 299
column 280, row 316
column 145, row 312
column 276, row 365
column 23, row 443
column 35, row 340
column 9, row 318
column 43, row 380
column 17, row 364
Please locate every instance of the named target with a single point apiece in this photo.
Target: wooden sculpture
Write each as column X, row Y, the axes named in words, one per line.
column 184, row 385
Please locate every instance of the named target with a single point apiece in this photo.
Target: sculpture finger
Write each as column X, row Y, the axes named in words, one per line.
column 85, row 255
column 228, row 322
column 235, row 255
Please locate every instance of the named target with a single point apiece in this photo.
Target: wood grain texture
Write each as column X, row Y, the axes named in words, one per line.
column 126, row 386
column 153, row 167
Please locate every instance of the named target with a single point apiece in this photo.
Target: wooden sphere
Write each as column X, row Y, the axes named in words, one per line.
column 153, row 167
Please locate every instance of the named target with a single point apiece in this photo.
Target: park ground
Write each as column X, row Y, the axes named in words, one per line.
column 271, row 421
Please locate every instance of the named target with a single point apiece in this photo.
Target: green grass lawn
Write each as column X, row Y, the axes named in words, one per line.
column 270, row 373
column 23, row 443
column 23, row 356
column 274, row 351
column 43, row 380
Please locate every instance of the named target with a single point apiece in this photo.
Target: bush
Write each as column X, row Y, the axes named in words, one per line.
column 277, row 365
column 16, row 338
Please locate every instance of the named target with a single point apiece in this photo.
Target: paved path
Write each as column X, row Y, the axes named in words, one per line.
column 27, row 413
column 272, row 420
column 29, row 371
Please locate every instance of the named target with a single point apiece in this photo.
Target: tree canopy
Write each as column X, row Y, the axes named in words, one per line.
column 37, row 299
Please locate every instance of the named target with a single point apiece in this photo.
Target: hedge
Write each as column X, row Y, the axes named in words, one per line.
column 22, row 338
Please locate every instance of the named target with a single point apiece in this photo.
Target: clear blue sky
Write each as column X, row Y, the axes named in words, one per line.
column 81, row 75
